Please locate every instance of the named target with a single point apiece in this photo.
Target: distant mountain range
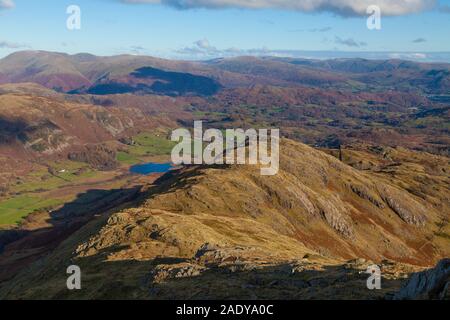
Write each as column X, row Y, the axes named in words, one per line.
column 320, row 102
column 86, row 73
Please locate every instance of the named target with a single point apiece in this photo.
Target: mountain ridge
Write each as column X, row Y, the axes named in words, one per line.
column 66, row 72
column 202, row 220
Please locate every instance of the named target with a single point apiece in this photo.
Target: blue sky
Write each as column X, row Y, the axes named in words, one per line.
column 110, row 27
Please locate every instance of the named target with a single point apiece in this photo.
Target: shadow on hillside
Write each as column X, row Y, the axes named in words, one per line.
column 19, row 247
column 132, row 279
column 272, row 282
column 10, row 129
column 181, row 178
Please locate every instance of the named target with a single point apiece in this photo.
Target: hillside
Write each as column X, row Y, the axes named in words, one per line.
column 39, row 126
column 81, row 73
column 349, row 74
column 363, row 188
column 228, row 232
column 319, row 102
column 85, row 72
column 47, row 125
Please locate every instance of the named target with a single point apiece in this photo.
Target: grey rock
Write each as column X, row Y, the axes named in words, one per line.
column 429, row 284
column 204, row 248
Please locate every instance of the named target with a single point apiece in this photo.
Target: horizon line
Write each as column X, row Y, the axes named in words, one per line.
column 413, row 56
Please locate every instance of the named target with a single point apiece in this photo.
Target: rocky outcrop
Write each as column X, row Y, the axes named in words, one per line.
column 430, row 284
column 332, row 210
column 365, row 193
column 407, row 208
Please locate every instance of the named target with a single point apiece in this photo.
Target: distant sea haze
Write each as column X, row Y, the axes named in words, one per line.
column 418, row 56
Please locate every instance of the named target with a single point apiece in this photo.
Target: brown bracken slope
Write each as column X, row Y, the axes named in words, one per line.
column 228, row 232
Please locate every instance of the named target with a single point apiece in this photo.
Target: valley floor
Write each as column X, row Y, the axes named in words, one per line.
column 43, row 214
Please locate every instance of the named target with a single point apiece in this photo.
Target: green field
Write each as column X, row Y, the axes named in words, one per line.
column 208, row 114
column 26, row 195
column 14, row 209
column 64, row 173
column 145, row 144
column 127, row 158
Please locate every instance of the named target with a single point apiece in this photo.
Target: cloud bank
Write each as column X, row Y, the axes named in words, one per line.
column 6, row 4
column 202, row 49
column 196, row 53
column 419, row 40
column 340, row 7
column 444, row 9
column 12, row 45
column 350, row 42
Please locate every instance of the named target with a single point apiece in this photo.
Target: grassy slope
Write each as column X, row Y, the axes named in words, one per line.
column 29, row 195
column 14, row 209
column 145, row 144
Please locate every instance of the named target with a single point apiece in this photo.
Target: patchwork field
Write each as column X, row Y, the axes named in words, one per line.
column 14, row 209
column 145, row 145
column 50, row 186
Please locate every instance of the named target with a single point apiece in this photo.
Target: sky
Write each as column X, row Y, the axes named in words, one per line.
column 205, row 29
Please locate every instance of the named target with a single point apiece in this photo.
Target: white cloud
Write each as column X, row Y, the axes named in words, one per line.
column 341, row 7
column 137, row 49
column 193, row 53
column 200, row 48
column 6, row 4
column 444, row 9
column 409, row 56
column 203, row 44
column 12, row 45
column 419, row 40
column 350, row 42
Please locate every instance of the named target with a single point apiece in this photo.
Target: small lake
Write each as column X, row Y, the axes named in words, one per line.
column 150, row 167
